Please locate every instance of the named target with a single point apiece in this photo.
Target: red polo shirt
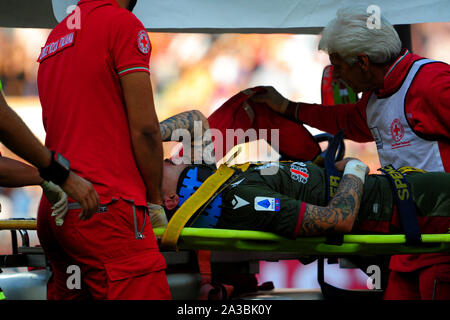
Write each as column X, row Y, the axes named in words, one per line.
column 83, row 108
column 427, row 106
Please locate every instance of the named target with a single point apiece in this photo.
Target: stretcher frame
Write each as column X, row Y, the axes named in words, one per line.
column 246, row 248
column 312, row 248
column 247, row 240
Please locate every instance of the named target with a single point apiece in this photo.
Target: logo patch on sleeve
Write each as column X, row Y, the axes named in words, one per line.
column 299, row 172
column 143, row 42
column 267, row 204
column 238, row 202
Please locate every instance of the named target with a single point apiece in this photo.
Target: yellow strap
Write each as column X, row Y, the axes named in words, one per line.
column 404, row 170
column 196, row 201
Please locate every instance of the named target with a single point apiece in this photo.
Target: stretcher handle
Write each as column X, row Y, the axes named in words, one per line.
column 15, row 224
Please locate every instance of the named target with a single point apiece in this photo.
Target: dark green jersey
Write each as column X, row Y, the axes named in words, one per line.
column 431, row 196
column 269, row 198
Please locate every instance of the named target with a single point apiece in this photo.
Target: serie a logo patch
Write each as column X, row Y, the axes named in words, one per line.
column 267, row 204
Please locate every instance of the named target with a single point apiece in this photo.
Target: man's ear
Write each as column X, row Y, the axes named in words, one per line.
column 363, row 61
column 171, row 201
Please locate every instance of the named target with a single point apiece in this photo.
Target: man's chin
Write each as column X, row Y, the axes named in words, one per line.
column 356, row 88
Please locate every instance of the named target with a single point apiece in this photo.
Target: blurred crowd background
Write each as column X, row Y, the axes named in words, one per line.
column 201, row 71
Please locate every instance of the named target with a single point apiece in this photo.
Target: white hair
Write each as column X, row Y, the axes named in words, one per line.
column 349, row 34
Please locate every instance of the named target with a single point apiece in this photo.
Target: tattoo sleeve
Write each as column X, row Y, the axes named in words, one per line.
column 340, row 214
column 197, row 127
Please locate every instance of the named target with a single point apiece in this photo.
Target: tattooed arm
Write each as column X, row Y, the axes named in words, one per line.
column 184, row 120
column 340, row 214
column 188, row 120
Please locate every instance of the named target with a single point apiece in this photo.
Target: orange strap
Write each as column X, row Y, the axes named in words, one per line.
column 204, row 264
column 209, row 290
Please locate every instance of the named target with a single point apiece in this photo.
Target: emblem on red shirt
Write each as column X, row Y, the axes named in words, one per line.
column 56, row 46
column 299, row 172
column 143, row 42
column 397, row 130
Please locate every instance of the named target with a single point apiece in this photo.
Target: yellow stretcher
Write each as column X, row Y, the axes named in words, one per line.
column 245, row 240
column 233, row 250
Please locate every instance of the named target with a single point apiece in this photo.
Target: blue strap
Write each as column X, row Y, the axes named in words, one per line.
column 333, row 177
column 405, row 205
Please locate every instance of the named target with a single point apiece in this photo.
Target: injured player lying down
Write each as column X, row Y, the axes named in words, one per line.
column 291, row 200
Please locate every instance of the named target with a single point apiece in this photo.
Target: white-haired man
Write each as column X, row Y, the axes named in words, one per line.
column 404, row 108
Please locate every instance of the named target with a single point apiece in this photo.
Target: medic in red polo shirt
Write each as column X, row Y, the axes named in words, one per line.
column 404, row 108
column 426, row 108
column 98, row 112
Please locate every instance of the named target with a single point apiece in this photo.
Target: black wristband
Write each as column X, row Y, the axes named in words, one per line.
column 57, row 171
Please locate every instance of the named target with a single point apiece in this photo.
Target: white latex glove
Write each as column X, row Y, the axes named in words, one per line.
column 158, row 216
column 58, row 198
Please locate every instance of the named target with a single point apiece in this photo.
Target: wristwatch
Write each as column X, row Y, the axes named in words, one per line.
column 57, row 171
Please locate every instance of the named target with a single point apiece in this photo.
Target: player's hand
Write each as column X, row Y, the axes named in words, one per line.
column 58, row 198
column 157, row 214
column 84, row 193
column 272, row 98
column 340, row 165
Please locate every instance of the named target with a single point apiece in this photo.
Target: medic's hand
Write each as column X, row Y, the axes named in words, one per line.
column 158, row 216
column 84, row 193
column 272, row 98
column 58, row 198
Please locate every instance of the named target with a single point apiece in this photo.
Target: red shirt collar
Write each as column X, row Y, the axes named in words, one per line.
column 396, row 73
column 112, row 2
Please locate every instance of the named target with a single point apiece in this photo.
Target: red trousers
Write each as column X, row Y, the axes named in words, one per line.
column 111, row 263
column 430, row 283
